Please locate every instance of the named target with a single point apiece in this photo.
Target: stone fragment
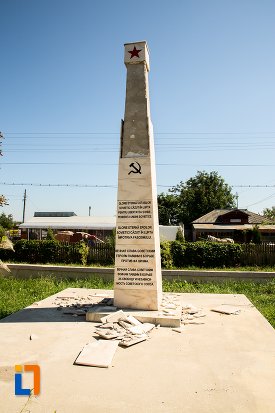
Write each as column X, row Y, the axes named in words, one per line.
column 107, row 334
column 99, row 353
column 125, row 324
column 131, row 319
column 106, row 325
column 131, row 340
column 198, row 315
column 226, row 309
column 148, row 327
column 178, row 329
column 113, row 317
column 136, row 329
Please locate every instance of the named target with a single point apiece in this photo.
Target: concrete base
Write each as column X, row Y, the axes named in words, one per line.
column 225, row 365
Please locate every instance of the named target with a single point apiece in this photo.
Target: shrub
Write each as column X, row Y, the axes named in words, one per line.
column 2, row 232
column 166, row 257
column 50, row 235
column 47, row 251
column 205, row 254
column 178, row 253
column 179, row 235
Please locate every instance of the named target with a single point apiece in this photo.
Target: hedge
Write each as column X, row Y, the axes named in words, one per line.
column 44, row 252
column 200, row 254
column 175, row 254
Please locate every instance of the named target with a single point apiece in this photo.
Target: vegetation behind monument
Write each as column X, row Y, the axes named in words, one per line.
column 197, row 196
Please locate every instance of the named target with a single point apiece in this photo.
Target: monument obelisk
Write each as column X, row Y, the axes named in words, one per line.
column 137, row 264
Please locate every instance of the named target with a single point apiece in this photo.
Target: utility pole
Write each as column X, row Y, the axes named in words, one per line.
column 237, row 198
column 24, row 204
column 90, row 211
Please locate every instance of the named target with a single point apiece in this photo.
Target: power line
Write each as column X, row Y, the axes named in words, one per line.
column 156, row 133
column 116, row 164
column 262, row 200
column 59, row 185
column 114, row 186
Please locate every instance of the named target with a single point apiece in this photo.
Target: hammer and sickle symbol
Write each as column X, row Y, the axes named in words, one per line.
column 136, row 170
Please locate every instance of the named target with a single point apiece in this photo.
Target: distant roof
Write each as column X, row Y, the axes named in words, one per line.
column 54, row 214
column 213, row 227
column 70, row 222
column 168, row 232
column 213, row 216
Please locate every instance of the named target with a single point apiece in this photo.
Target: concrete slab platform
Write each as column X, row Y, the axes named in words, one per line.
column 226, row 365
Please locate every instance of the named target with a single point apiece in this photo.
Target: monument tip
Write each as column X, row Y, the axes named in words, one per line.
column 136, row 52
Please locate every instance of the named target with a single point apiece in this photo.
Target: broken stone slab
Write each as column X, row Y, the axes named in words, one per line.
column 107, row 325
column 114, row 317
column 107, row 334
column 132, row 320
column 124, row 324
column 226, row 309
column 141, row 329
column 98, row 353
column 131, row 340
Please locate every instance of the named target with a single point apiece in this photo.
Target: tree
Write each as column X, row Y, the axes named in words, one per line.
column 50, row 235
column 6, row 221
column 196, row 197
column 269, row 214
column 168, row 207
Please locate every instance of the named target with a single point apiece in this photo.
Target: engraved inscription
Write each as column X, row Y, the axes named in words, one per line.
column 129, row 210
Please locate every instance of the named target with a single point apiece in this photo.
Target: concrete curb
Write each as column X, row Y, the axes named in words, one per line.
column 107, row 274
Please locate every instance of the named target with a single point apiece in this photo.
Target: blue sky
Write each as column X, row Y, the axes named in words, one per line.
column 62, row 88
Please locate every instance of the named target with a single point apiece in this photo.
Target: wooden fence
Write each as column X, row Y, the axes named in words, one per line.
column 258, row 254
column 102, row 254
column 252, row 254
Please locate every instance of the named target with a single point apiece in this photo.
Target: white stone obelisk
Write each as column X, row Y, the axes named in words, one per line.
column 138, row 282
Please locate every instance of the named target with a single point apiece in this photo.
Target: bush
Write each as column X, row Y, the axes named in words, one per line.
column 166, row 257
column 179, row 235
column 205, row 254
column 178, row 253
column 50, row 235
column 43, row 252
column 2, row 232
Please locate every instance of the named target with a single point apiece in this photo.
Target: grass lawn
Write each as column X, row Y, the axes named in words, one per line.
column 16, row 294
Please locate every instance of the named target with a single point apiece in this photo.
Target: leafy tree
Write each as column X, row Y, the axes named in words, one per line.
column 269, row 214
column 168, row 207
column 50, row 235
column 196, row 197
column 6, row 221
column 256, row 235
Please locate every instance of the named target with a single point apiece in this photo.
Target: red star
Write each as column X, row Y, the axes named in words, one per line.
column 134, row 52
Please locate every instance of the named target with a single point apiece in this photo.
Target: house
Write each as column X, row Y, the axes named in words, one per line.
column 232, row 223
column 37, row 227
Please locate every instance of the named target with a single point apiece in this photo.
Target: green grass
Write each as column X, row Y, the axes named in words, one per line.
column 16, row 294
column 247, row 268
